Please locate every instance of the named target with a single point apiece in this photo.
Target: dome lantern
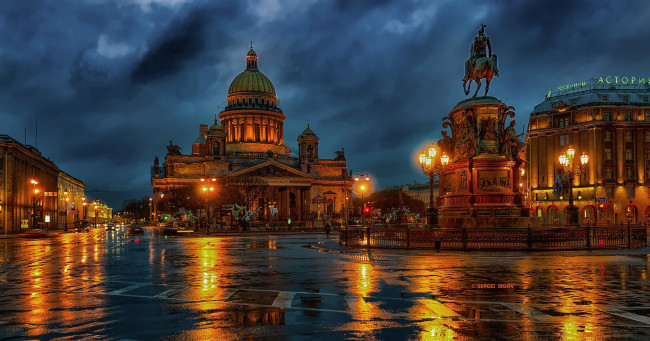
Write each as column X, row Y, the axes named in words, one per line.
column 251, row 59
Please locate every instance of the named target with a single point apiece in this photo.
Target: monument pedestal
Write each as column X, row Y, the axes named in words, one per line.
column 480, row 187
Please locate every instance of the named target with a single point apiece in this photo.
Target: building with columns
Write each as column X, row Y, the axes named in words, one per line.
column 249, row 142
column 608, row 119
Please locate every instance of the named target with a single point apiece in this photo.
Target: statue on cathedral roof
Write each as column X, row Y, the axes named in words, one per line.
column 173, row 149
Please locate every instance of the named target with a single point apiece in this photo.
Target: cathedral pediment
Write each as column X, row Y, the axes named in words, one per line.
column 271, row 169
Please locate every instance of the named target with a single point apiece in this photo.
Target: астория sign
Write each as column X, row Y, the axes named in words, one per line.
column 608, row 81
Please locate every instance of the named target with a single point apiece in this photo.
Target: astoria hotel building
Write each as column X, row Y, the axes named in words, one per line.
column 607, row 118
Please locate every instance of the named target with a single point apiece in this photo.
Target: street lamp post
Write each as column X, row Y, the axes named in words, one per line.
column 84, row 206
column 362, row 178
column 65, row 202
column 431, row 167
column 36, row 196
column 571, row 170
column 207, row 188
column 95, row 216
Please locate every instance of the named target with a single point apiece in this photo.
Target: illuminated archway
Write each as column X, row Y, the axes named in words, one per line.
column 631, row 214
column 589, row 214
column 553, row 215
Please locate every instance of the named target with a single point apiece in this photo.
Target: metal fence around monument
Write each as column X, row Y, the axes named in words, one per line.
column 558, row 238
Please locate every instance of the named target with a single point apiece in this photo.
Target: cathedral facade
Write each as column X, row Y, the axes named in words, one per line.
column 249, row 143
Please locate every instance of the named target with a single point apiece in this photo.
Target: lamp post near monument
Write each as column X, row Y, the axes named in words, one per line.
column 362, row 179
column 571, row 170
column 432, row 165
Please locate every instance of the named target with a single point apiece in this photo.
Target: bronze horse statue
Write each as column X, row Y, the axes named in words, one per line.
column 484, row 67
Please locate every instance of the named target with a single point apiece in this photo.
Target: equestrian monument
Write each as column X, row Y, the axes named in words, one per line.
column 479, row 187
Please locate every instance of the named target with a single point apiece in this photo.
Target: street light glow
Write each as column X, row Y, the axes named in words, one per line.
column 444, row 159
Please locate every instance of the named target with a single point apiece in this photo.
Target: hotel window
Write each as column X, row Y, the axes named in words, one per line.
column 564, row 139
column 629, row 172
column 647, row 117
column 645, row 98
column 609, row 175
column 626, row 98
column 628, row 136
column 647, row 155
column 604, row 97
column 573, row 101
column 628, row 154
column 608, row 135
column 628, row 116
column 608, row 153
column 560, row 122
column 606, row 116
column 647, row 136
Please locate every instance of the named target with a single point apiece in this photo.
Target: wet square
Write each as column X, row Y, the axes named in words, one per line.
column 319, row 301
column 253, row 297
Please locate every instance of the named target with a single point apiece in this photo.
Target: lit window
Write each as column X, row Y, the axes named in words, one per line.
column 628, row 154
column 606, row 116
column 608, row 135
column 608, row 153
column 609, row 175
column 604, row 97
column 628, row 136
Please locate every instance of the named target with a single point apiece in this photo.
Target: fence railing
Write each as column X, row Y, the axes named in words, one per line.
column 558, row 238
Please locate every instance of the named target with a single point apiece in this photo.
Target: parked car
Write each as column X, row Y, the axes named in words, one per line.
column 110, row 227
column 134, row 229
column 81, row 226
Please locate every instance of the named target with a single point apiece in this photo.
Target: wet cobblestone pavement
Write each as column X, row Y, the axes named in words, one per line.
column 107, row 286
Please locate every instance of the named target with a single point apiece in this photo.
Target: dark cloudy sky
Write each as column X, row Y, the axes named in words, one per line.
column 111, row 82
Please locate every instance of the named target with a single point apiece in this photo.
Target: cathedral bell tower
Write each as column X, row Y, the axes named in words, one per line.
column 308, row 146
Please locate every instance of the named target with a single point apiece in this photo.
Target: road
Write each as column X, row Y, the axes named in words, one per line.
column 109, row 286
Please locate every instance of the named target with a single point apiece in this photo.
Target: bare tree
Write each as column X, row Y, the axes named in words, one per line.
column 241, row 194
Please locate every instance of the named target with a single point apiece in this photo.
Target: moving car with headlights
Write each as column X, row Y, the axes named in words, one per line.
column 134, row 229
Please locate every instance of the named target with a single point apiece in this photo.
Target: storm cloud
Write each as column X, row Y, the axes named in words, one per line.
column 110, row 82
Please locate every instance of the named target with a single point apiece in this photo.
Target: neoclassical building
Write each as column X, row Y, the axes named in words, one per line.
column 250, row 142
column 608, row 119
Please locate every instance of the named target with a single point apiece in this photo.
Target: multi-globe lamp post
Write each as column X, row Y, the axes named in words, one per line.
column 572, row 169
column 362, row 180
column 432, row 166
column 207, row 188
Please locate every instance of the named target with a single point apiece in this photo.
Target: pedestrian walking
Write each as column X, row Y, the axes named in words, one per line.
column 327, row 229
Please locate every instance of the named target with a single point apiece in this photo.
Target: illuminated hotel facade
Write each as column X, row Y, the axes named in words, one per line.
column 608, row 119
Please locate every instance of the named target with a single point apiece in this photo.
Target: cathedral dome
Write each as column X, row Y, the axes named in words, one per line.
column 251, row 80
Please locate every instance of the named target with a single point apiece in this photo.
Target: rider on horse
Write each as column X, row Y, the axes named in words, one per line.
column 482, row 64
column 480, row 48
